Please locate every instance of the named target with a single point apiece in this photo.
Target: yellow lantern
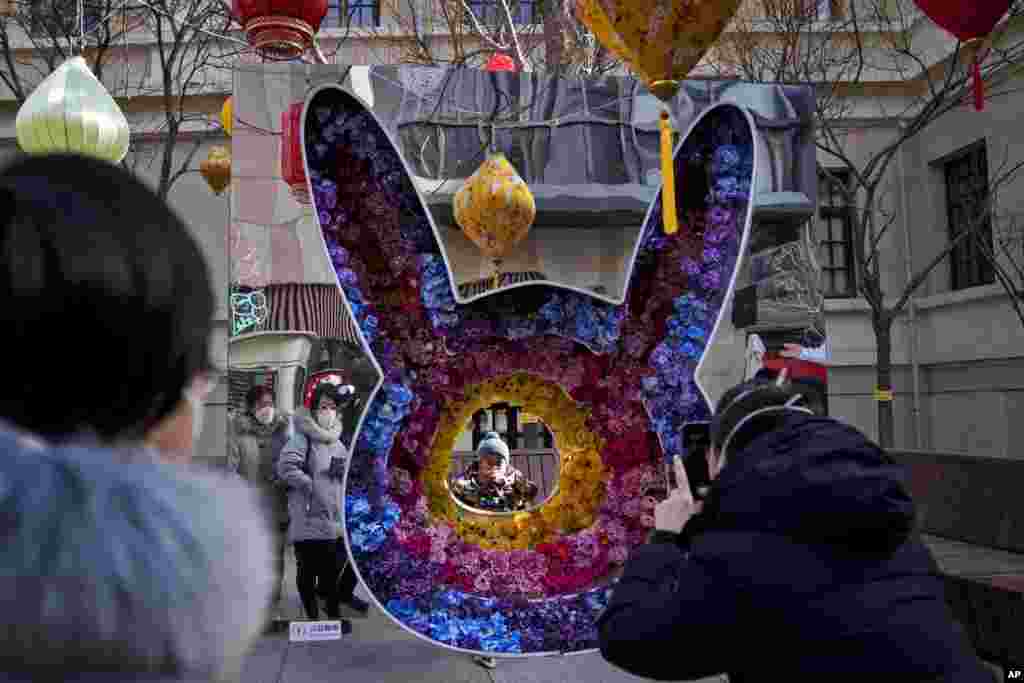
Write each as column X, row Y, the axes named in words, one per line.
column 216, row 169
column 72, row 112
column 495, row 209
column 661, row 41
column 227, row 120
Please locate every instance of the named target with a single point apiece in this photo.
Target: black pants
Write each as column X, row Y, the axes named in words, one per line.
column 317, row 569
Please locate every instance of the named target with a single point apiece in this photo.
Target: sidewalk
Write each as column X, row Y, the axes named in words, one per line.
column 378, row 651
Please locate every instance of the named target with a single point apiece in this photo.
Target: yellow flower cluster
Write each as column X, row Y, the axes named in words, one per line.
column 581, row 482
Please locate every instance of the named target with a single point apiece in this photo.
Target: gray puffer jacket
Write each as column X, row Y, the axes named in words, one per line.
column 118, row 568
column 253, row 454
column 314, row 495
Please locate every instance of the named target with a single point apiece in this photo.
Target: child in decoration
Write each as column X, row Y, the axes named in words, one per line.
column 491, row 483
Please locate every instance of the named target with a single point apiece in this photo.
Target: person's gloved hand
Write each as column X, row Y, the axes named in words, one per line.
column 674, row 512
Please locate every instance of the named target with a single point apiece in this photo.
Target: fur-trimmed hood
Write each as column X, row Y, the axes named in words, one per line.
column 245, row 424
column 305, row 423
column 95, row 545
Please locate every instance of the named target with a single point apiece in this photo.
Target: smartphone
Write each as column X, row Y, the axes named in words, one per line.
column 696, row 442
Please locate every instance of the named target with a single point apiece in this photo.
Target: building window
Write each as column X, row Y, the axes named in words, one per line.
column 59, row 18
column 492, row 12
column 967, row 194
column 346, row 13
column 835, row 234
column 805, row 10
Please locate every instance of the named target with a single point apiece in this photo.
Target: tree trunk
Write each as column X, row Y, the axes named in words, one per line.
column 883, row 380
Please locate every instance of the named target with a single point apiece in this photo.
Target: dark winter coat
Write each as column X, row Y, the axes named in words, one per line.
column 803, row 566
column 253, row 453
column 117, row 569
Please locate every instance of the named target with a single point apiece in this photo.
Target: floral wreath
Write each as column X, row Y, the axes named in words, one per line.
column 615, row 384
column 573, row 508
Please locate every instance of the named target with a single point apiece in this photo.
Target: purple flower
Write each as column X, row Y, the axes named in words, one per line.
column 711, row 279
column 712, row 255
column 720, row 216
column 690, row 266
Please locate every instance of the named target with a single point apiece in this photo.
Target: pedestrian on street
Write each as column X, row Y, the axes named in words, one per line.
column 116, row 565
column 801, row 564
column 257, row 437
column 311, row 465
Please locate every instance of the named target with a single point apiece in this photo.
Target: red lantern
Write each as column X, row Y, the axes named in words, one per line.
column 292, row 169
column 501, row 62
column 280, row 29
column 969, row 22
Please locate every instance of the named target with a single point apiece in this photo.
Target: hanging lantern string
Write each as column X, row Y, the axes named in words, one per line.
column 81, row 27
column 124, row 42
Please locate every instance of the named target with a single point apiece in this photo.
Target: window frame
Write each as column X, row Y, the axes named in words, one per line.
column 481, row 7
column 824, row 220
column 41, row 14
column 968, row 266
column 340, row 14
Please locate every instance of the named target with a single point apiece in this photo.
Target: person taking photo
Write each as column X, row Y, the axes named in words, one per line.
column 801, row 564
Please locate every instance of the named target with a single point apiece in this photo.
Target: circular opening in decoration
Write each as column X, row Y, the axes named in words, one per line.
column 486, row 484
column 574, row 503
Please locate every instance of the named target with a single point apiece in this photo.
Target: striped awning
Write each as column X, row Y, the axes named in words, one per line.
column 316, row 308
column 476, row 287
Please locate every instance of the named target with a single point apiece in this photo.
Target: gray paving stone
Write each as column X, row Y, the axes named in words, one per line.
column 379, row 651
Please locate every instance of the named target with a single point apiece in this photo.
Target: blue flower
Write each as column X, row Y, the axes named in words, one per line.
column 726, row 159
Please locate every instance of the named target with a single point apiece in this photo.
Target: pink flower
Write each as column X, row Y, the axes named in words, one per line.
column 648, row 502
column 632, row 508
column 470, row 562
column 647, row 521
column 499, row 562
column 482, row 582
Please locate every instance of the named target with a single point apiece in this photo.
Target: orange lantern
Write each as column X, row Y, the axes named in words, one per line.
column 661, row 41
column 227, row 120
column 216, row 169
column 293, row 171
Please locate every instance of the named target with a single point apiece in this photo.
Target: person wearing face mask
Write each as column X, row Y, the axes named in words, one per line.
column 801, row 563
column 310, row 465
column 256, row 439
column 119, row 562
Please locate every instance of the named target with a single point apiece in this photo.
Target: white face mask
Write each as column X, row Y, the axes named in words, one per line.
column 265, row 415
column 326, row 418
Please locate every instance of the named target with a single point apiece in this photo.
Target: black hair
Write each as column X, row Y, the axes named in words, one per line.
column 255, row 394
column 103, row 289
column 742, row 400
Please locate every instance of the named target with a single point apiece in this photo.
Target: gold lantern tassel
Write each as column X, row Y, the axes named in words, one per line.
column 668, row 178
column 497, row 274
